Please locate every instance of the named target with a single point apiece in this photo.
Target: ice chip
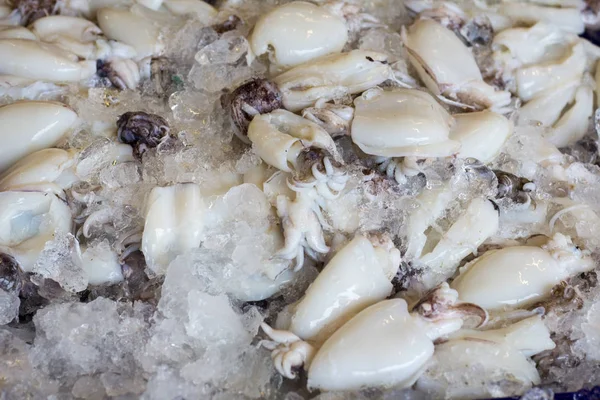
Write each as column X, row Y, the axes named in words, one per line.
column 227, row 50
column 61, row 261
column 9, row 307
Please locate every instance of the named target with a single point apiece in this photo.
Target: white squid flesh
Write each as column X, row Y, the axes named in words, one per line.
column 357, row 277
column 42, row 61
column 498, row 354
column 298, row 32
column 332, row 77
column 29, row 126
column 44, row 170
column 134, row 30
column 174, row 224
column 448, row 68
column 28, row 220
column 280, row 136
column 520, row 275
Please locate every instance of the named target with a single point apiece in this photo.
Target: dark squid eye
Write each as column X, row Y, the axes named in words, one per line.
column 258, row 96
column 141, row 130
column 10, row 274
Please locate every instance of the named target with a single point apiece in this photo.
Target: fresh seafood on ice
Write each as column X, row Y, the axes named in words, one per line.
column 471, row 229
column 132, row 29
column 521, row 275
column 568, row 19
column 481, row 134
column 499, row 353
column 447, row 67
column 291, row 143
column 398, row 347
column 29, row 220
column 365, row 266
column 280, row 136
column 42, row 61
column 404, row 196
column 298, row 32
column 331, row 77
column 45, row 170
column 403, row 122
column 174, row 222
column 202, row 10
column 29, row 126
column 410, row 123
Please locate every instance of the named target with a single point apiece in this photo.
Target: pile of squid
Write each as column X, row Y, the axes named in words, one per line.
column 457, row 287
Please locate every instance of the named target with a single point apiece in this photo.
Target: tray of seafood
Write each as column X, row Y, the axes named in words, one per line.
column 325, row 199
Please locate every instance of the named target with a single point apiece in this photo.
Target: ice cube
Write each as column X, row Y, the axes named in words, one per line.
column 213, row 321
column 88, row 387
column 188, row 105
column 61, row 261
column 591, row 330
column 77, row 339
column 166, row 384
column 9, row 307
column 227, row 50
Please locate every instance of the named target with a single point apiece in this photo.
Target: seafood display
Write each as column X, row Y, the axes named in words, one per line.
column 275, row 199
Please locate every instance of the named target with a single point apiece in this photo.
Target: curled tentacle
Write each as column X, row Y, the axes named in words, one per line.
column 299, row 259
column 396, row 168
column 279, row 336
column 129, row 250
column 328, row 184
column 84, row 195
column 318, row 175
column 302, row 226
column 315, row 239
column 563, row 298
column 293, row 241
column 442, row 303
column 318, row 179
column 326, row 192
column 514, row 188
column 316, row 208
column 288, row 351
column 100, row 217
column 327, row 178
column 129, row 238
column 122, row 73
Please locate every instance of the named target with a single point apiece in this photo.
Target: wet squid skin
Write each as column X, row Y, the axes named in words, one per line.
column 316, row 177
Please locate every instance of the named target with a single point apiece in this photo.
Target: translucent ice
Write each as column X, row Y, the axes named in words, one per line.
column 227, row 50
column 9, row 307
column 61, row 261
column 77, row 339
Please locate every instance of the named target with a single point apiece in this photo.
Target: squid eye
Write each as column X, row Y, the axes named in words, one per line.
column 10, row 279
